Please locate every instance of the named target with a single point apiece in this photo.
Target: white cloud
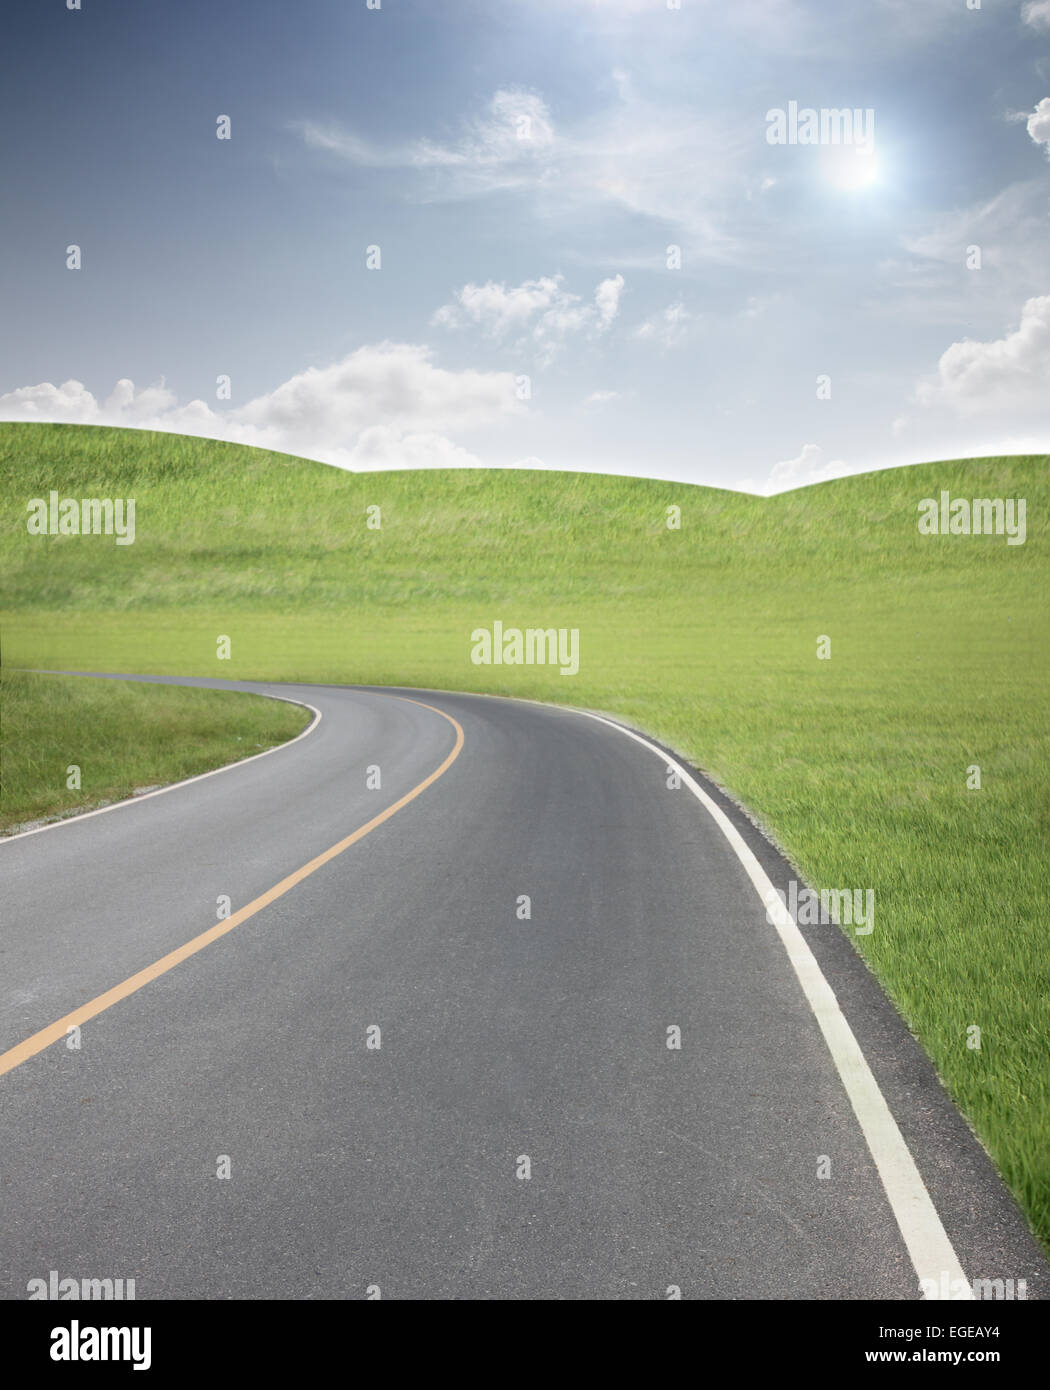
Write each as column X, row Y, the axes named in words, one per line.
column 601, row 397
column 811, row 466
column 1037, row 14
column 1012, row 372
column 667, row 328
column 624, row 83
column 685, row 173
column 497, row 309
column 496, row 149
column 778, row 25
column 516, row 128
column 382, row 447
column 541, row 310
column 383, row 406
column 1038, row 124
column 607, row 299
column 930, row 283
column 392, row 384
column 758, row 304
column 1015, row 216
column 72, row 403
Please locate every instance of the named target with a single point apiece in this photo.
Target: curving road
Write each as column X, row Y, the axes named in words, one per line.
column 398, row 1168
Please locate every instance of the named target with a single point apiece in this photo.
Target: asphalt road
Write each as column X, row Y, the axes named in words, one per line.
column 399, row 1167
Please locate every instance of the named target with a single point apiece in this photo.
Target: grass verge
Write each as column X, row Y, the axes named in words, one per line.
column 121, row 738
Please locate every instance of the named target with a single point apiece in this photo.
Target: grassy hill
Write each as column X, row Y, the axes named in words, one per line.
column 706, row 636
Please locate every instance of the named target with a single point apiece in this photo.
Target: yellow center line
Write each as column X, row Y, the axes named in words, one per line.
column 21, row 1052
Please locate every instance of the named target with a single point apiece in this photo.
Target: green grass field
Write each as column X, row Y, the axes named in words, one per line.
column 705, row 636
column 121, row 737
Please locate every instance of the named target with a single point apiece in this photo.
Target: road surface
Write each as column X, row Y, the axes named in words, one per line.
column 523, row 1130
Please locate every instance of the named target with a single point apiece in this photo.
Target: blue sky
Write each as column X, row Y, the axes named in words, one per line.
column 524, row 167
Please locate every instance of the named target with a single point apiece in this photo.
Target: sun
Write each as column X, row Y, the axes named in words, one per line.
column 849, row 168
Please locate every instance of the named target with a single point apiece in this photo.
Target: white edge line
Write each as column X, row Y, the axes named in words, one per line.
column 186, row 781
column 931, row 1251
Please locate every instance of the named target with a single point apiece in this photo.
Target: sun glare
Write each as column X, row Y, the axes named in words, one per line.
column 849, row 168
